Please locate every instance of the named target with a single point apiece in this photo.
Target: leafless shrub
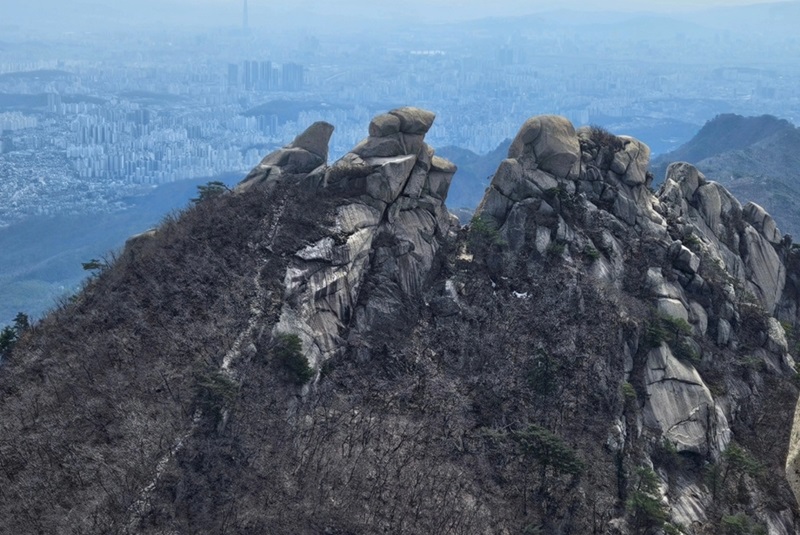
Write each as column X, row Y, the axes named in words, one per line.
column 604, row 139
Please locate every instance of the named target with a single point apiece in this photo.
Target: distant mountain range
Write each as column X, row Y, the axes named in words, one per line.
column 474, row 173
column 756, row 158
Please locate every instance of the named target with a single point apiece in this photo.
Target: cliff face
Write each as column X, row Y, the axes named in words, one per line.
column 389, row 220
column 324, row 350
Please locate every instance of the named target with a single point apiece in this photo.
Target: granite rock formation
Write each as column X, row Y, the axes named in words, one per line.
column 325, row 350
column 694, row 254
column 393, row 189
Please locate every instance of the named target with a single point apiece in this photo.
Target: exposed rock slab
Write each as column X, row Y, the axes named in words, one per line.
column 762, row 222
column 681, row 406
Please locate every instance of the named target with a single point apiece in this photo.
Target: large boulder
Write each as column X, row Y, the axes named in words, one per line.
column 551, row 142
column 681, row 407
column 631, row 163
column 413, row 120
column 379, row 147
column 315, row 139
column 510, row 180
column 393, row 175
column 306, row 153
column 384, row 124
column 686, row 189
column 762, row 221
column 687, row 176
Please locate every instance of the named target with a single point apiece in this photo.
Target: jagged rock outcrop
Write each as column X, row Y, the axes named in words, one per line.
column 392, row 190
column 699, row 259
column 307, row 153
column 755, row 158
column 708, row 212
column 324, row 350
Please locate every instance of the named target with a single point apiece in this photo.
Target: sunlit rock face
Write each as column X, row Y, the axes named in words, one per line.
column 680, row 404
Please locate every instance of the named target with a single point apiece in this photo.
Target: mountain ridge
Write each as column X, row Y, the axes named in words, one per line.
column 754, row 157
column 325, row 350
column 729, row 132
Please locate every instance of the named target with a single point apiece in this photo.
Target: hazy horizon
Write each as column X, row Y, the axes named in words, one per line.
column 308, row 13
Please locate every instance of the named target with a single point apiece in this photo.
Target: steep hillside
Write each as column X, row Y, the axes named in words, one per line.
column 756, row 158
column 42, row 255
column 325, row 350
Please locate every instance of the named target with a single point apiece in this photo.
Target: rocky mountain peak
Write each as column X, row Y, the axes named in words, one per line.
column 602, row 182
column 386, row 215
column 325, row 350
column 692, row 252
column 551, row 164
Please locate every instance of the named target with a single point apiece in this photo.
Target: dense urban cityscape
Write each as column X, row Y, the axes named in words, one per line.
column 88, row 119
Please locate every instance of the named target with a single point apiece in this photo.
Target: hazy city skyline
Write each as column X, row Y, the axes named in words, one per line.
column 311, row 13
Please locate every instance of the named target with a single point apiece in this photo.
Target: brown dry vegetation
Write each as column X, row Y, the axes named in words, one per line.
column 490, row 417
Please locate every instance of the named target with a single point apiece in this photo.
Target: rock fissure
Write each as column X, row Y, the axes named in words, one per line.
column 692, row 418
column 677, row 380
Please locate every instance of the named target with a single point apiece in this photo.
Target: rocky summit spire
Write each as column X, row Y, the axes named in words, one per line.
column 392, row 189
column 324, row 350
